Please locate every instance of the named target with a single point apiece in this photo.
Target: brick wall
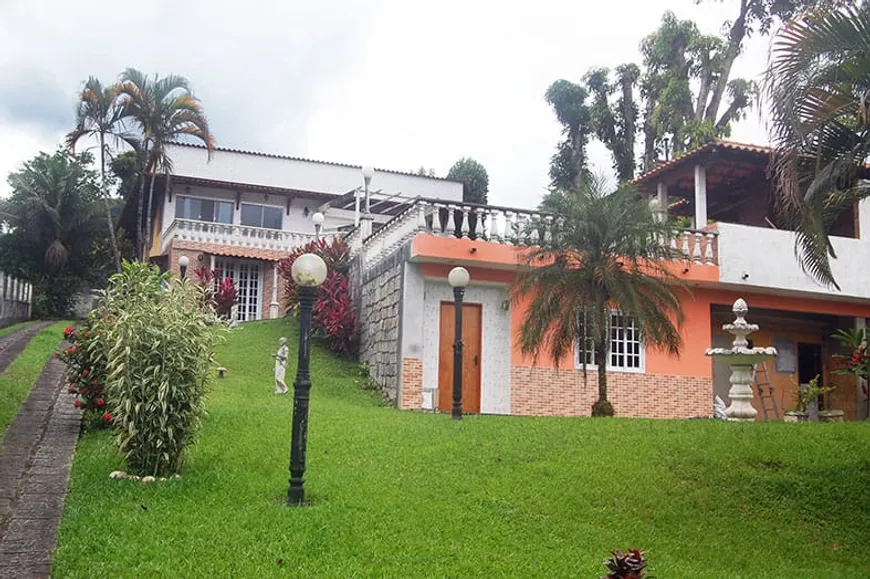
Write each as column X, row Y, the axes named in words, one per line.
column 562, row 392
column 377, row 294
column 412, row 384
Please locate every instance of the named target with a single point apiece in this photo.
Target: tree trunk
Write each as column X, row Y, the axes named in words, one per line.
column 735, row 39
column 628, row 165
column 601, row 353
column 649, row 135
column 147, row 251
column 115, row 251
column 703, row 91
column 141, row 200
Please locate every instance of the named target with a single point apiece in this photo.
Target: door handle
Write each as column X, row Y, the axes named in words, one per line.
column 475, row 359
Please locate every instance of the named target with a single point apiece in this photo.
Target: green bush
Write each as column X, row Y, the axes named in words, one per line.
column 160, row 347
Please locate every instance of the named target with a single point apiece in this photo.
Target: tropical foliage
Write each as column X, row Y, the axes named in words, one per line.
column 606, row 252
column 161, row 342
column 53, row 215
column 163, row 110
column 99, row 116
column 475, row 180
column 219, row 291
column 817, row 88
column 334, row 318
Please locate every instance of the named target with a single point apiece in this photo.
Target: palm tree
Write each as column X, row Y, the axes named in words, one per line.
column 818, row 90
column 52, row 204
column 164, row 109
column 99, row 115
column 606, row 252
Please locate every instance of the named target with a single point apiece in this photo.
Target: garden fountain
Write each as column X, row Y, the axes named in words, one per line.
column 742, row 359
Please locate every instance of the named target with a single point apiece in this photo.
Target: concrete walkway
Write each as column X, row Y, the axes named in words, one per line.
column 35, row 460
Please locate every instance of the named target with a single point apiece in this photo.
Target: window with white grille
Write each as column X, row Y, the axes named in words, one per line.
column 246, row 276
column 626, row 347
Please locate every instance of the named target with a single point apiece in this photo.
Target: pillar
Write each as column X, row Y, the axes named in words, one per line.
column 700, row 197
column 273, row 307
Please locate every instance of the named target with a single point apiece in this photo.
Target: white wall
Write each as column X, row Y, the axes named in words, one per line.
column 768, row 257
column 495, row 393
column 303, row 175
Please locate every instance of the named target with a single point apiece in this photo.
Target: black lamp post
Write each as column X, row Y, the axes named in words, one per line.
column 308, row 272
column 183, row 262
column 458, row 279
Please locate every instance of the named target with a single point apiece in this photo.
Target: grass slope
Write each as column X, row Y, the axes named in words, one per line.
column 402, row 494
column 21, row 375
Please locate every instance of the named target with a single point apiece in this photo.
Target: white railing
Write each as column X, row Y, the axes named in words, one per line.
column 502, row 225
column 241, row 236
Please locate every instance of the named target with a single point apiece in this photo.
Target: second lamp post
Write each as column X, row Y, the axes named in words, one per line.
column 308, row 271
column 457, row 278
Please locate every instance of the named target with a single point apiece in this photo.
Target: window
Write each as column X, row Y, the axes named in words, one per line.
column 203, row 209
column 261, row 216
column 626, row 347
column 246, row 276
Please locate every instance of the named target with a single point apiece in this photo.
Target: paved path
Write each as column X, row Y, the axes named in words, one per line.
column 35, row 460
column 14, row 343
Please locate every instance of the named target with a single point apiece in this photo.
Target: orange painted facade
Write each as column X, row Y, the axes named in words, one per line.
column 491, row 263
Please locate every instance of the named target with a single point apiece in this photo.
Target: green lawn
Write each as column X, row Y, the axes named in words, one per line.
column 20, row 376
column 405, row 494
column 15, row 327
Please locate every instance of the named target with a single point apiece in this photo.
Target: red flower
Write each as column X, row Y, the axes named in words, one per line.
column 76, row 403
column 100, row 401
column 84, row 390
column 85, row 373
column 87, row 335
column 67, row 331
column 94, row 382
column 107, row 416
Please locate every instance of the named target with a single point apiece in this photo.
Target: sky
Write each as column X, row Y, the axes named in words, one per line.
column 398, row 84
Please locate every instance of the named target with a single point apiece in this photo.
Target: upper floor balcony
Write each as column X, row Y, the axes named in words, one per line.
column 240, row 236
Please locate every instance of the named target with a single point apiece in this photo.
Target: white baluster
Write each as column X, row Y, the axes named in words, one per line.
column 685, row 249
column 708, row 250
column 535, row 237
column 450, row 227
column 508, row 228
column 463, row 226
column 548, row 230
column 436, row 219
column 696, row 251
column 478, row 223
column 421, row 216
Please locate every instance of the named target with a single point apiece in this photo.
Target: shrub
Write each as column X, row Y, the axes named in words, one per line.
column 161, row 344
column 333, row 318
column 221, row 295
column 85, row 360
column 629, row 565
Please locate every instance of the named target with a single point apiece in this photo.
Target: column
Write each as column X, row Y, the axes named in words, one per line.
column 700, row 197
column 662, row 198
column 273, row 307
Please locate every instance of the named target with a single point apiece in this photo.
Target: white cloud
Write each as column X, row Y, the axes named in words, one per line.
column 397, row 83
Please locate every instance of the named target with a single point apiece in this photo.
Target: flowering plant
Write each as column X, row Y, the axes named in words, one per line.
column 85, row 361
column 222, row 295
column 856, row 359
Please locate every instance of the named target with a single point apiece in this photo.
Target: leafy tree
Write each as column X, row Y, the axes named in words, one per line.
column 54, row 213
column 615, row 124
column 126, row 167
column 569, row 166
column 99, row 115
column 817, row 87
column 164, row 110
column 424, row 172
column 475, row 180
column 604, row 253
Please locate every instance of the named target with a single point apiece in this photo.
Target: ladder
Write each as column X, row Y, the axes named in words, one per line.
column 761, row 380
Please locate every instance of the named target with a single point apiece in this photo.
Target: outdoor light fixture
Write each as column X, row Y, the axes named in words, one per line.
column 317, row 218
column 458, row 278
column 183, row 262
column 367, row 172
column 308, row 271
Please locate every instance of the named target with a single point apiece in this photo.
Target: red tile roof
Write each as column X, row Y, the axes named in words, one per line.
column 718, row 143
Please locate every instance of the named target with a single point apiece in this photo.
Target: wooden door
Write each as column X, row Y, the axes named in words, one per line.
column 472, row 316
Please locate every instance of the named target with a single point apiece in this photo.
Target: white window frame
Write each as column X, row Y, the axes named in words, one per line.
column 262, row 207
column 203, row 198
column 641, row 369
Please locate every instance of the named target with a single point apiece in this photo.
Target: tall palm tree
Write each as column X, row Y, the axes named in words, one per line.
column 606, row 252
column 99, row 115
column 818, row 90
column 164, row 109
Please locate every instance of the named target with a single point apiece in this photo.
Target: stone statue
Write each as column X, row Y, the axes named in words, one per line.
column 281, row 366
column 719, row 408
column 234, row 316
